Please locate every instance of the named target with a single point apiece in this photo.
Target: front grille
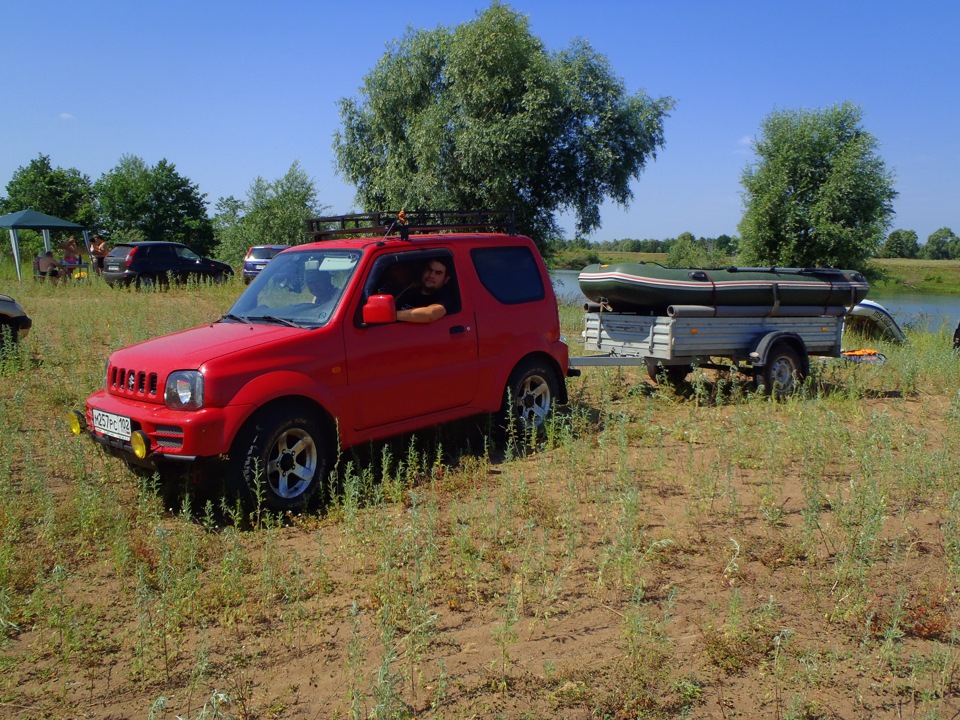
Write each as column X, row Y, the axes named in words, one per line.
column 131, row 382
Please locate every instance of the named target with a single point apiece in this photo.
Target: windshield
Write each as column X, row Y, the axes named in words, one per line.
column 297, row 287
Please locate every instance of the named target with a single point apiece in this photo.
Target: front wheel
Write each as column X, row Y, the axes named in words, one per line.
column 282, row 459
column 531, row 392
column 783, row 372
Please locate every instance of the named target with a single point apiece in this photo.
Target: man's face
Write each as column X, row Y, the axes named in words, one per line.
column 434, row 276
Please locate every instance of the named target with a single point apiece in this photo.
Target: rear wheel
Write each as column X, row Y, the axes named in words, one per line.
column 530, row 395
column 282, row 459
column 783, row 371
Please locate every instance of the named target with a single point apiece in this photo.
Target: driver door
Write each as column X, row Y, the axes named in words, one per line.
column 402, row 371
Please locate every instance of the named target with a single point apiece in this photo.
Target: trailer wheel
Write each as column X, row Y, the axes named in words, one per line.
column 782, row 372
column 675, row 374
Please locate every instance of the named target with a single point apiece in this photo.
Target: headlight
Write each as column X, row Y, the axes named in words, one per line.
column 184, row 390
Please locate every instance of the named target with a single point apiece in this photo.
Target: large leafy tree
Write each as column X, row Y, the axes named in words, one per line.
column 274, row 213
column 901, row 244
column 153, row 203
column 818, row 194
column 482, row 116
column 65, row 193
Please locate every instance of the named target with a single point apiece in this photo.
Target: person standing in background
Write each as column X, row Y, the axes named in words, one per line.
column 99, row 250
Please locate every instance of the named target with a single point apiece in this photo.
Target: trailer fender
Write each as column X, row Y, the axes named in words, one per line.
column 760, row 353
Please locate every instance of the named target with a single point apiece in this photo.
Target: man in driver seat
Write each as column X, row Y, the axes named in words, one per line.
column 430, row 299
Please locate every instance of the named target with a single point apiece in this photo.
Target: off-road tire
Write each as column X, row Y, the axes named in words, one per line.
column 530, row 396
column 281, row 459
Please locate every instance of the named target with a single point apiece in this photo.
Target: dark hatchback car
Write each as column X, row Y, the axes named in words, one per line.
column 257, row 258
column 159, row 262
column 14, row 323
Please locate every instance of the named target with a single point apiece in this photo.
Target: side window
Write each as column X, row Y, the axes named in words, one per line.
column 411, row 277
column 510, row 274
column 185, row 253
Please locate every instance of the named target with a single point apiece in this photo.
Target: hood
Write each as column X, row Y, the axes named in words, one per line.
column 189, row 349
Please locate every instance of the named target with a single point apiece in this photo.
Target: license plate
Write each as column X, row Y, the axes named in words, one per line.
column 113, row 266
column 116, row 426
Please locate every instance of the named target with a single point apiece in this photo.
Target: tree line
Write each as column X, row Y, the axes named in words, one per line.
column 136, row 201
column 483, row 116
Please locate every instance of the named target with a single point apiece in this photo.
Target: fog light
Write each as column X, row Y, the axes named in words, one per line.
column 77, row 422
column 140, row 444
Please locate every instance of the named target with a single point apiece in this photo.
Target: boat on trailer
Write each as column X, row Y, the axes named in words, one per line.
column 650, row 288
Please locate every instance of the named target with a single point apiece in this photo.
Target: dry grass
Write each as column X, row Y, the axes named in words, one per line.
column 700, row 553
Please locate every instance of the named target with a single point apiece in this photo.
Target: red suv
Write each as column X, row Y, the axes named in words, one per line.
column 312, row 356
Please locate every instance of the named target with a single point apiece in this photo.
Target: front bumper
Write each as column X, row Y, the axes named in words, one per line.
column 177, row 436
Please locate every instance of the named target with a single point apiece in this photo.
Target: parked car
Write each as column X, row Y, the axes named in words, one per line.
column 14, row 323
column 315, row 356
column 153, row 262
column 256, row 259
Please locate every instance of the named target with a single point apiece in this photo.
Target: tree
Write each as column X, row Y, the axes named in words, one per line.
column 63, row 193
column 727, row 245
column 275, row 213
column 687, row 251
column 483, row 117
column 901, row 244
column 818, row 194
column 942, row 244
column 153, row 203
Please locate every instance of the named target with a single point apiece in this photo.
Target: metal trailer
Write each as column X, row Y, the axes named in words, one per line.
column 776, row 349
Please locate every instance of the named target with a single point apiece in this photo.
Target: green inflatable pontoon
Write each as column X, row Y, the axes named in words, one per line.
column 651, row 288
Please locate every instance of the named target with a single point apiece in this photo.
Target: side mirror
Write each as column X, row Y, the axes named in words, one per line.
column 380, row 310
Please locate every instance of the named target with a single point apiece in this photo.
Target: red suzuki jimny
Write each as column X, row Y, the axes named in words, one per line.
column 313, row 354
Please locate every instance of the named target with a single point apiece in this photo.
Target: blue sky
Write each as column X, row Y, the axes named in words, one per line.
column 232, row 91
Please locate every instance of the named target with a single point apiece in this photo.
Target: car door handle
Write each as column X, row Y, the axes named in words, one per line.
column 457, row 329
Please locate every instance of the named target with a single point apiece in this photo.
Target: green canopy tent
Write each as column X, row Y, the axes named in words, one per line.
column 33, row 220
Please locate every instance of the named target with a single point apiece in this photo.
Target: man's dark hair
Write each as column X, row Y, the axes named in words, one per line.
column 445, row 261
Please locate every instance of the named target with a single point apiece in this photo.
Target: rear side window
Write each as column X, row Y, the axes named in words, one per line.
column 183, row 253
column 510, row 274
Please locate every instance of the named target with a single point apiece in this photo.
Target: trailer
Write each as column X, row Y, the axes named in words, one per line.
column 773, row 344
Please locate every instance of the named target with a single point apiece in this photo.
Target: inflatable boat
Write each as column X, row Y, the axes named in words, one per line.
column 871, row 319
column 650, row 288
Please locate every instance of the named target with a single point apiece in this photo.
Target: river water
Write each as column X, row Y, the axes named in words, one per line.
column 931, row 312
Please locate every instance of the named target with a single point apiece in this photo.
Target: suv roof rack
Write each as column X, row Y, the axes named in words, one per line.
column 402, row 223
